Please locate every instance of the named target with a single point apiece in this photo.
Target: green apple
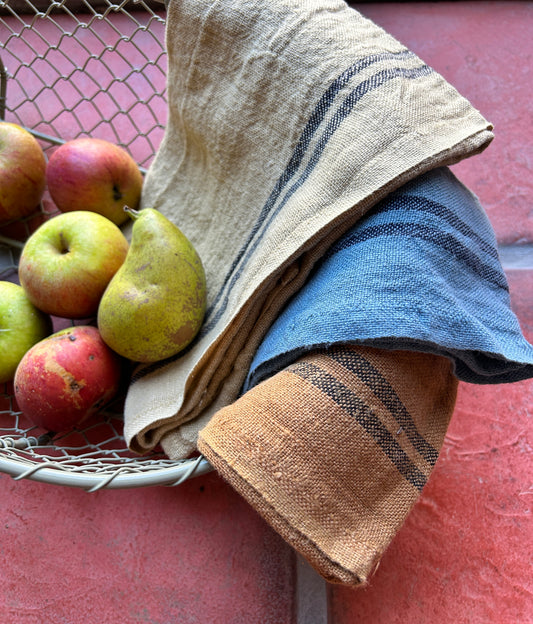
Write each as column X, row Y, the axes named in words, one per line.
column 21, row 326
column 22, row 172
column 68, row 261
column 96, row 175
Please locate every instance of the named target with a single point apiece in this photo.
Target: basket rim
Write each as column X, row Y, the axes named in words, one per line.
column 122, row 477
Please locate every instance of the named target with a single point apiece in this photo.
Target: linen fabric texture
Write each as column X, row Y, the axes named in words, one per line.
column 334, row 450
column 419, row 272
column 349, row 396
column 287, row 122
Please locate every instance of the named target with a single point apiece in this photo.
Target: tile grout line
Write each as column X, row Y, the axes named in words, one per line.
column 311, row 594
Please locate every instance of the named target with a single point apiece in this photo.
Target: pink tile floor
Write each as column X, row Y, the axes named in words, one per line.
column 199, row 553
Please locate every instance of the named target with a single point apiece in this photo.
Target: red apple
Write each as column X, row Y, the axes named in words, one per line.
column 66, row 378
column 68, row 261
column 22, row 172
column 96, row 175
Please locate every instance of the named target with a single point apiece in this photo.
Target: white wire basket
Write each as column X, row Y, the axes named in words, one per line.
column 71, row 68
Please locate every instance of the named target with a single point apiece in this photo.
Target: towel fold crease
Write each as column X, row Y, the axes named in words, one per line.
column 352, row 280
column 287, row 122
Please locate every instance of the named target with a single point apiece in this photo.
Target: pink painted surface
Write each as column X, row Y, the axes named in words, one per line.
column 464, row 554
column 195, row 553
column 485, row 50
column 199, row 553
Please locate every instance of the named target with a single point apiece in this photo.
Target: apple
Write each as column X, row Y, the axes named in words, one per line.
column 96, row 175
column 68, row 261
column 66, row 378
column 21, row 326
column 22, row 172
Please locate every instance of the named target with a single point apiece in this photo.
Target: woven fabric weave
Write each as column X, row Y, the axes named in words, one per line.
column 334, row 450
column 421, row 272
column 287, row 121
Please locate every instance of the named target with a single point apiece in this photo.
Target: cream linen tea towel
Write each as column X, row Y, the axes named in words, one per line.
column 287, row 121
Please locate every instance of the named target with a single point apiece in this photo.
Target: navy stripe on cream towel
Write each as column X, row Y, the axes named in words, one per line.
column 419, row 272
column 283, row 191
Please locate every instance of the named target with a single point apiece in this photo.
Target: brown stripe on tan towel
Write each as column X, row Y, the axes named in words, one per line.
column 334, row 450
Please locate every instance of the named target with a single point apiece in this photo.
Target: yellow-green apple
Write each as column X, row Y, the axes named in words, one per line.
column 21, row 326
column 94, row 174
column 22, row 172
column 66, row 378
column 68, row 261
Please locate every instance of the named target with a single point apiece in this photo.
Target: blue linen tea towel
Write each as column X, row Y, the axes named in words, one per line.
column 420, row 272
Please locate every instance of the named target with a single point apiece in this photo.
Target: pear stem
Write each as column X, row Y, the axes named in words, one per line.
column 131, row 212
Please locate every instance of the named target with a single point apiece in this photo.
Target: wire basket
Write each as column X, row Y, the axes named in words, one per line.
column 72, row 68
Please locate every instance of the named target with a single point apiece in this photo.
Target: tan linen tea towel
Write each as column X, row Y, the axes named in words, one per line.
column 287, row 121
column 334, row 450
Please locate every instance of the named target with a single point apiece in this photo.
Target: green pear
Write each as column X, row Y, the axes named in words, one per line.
column 155, row 303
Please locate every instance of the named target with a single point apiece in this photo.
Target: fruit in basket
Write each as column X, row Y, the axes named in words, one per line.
column 96, row 175
column 21, row 326
column 66, row 378
column 67, row 263
column 155, row 304
column 22, row 172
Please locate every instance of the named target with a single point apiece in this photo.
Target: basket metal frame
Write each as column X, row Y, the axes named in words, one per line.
column 121, row 478
column 24, row 454
column 3, row 89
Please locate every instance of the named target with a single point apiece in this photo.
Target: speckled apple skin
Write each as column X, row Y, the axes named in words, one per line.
column 64, row 379
column 22, row 172
column 93, row 174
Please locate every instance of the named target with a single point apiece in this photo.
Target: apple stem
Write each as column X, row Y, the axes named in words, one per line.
column 131, row 212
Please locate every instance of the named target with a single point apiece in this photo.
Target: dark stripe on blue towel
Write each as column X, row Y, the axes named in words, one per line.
column 404, row 203
column 445, row 241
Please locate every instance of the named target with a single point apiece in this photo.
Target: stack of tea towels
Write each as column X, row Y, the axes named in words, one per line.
column 352, row 279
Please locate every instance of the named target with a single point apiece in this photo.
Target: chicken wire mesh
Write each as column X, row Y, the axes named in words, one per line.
column 99, row 73
column 68, row 69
